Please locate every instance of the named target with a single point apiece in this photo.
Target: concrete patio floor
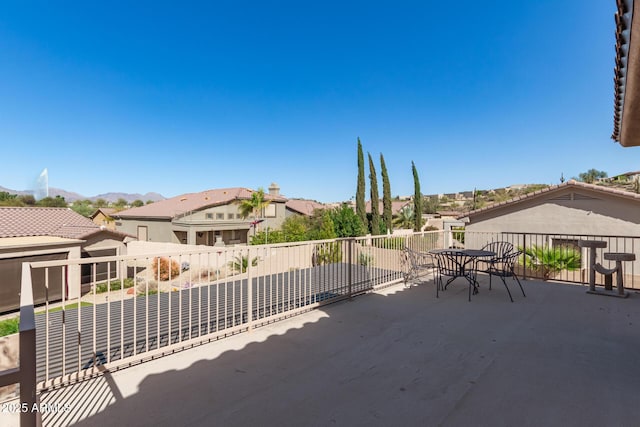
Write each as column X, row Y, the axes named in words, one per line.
column 396, row 357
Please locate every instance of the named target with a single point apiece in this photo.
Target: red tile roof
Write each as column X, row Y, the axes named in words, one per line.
column 179, row 205
column 623, row 18
column 105, row 212
column 41, row 221
column 303, row 206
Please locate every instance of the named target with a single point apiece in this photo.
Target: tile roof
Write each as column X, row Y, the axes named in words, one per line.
column 624, row 80
column 179, row 205
column 41, row 221
column 303, row 206
column 554, row 188
column 105, row 211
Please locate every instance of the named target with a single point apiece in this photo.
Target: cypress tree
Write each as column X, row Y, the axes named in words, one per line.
column 387, row 212
column 361, row 209
column 375, row 209
column 417, row 200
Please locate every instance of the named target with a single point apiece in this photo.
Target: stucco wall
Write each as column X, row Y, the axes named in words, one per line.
column 103, row 241
column 229, row 225
column 569, row 214
column 600, row 217
column 158, row 230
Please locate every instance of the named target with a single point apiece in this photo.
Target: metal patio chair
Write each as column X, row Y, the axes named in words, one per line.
column 416, row 264
column 501, row 249
column 504, row 267
column 454, row 264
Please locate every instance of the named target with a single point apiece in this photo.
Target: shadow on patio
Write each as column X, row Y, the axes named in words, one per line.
column 395, row 357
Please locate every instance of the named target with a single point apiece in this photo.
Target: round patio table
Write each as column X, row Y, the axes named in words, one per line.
column 463, row 270
column 475, row 253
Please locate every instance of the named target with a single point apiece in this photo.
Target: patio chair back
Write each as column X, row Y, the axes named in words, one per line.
column 505, row 267
column 501, row 249
column 415, row 264
column 454, row 264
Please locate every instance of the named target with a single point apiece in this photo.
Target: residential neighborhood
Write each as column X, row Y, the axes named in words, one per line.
column 320, row 214
column 30, row 234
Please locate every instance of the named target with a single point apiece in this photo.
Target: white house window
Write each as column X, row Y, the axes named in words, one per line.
column 209, row 216
column 230, row 216
column 270, row 211
column 219, row 216
column 143, row 233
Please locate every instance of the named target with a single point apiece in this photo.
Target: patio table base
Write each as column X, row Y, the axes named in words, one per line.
column 613, row 293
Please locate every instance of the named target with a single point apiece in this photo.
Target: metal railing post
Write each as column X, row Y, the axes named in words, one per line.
column 350, row 262
column 28, row 396
column 524, row 255
column 249, row 292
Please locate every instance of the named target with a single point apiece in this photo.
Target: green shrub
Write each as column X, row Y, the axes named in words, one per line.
column 240, row 263
column 458, row 234
column 9, row 326
column 327, row 253
column 268, row 236
column 365, row 259
column 114, row 285
column 548, row 261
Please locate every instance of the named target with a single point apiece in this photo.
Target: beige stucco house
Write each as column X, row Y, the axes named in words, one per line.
column 29, row 234
column 102, row 217
column 205, row 218
column 569, row 208
column 561, row 215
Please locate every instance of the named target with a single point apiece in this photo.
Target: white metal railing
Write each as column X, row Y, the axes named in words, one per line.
column 165, row 302
column 25, row 373
column 546, row 253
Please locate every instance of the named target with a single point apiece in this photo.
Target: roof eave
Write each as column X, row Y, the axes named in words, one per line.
column 571, row 184
column 143, row 217
column 627, row 75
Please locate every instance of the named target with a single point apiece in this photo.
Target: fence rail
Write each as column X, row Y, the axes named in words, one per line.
column 161, row 303
column 558, row 256
column 25, row 373
column 158, row 304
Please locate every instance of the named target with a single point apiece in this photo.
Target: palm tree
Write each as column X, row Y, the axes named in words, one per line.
column 551, row 260
column 254, row 206
column 404, row 218
column 240, row 263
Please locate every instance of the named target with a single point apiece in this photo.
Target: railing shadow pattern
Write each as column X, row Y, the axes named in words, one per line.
column 209, row 300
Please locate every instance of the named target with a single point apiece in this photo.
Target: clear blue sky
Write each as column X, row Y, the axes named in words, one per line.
column 178, row 97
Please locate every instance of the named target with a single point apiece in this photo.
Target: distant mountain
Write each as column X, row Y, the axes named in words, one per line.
column 19, row 193
column 112, row 197
column 70, row 196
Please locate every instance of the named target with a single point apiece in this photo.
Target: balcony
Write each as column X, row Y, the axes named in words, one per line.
column 393, row 355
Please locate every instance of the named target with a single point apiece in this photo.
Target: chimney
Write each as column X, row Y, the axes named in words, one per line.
column 274, row 190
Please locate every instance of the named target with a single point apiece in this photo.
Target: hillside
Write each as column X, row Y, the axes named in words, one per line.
column 70, row 196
